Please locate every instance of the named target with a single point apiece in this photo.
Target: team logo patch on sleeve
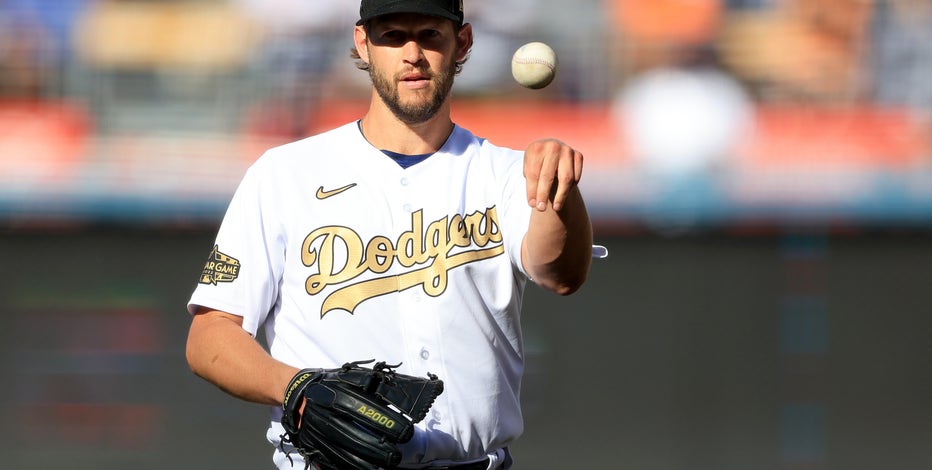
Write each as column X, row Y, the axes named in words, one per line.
column 220, row 268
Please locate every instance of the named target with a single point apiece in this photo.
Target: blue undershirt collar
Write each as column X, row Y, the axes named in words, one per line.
column 403, row 160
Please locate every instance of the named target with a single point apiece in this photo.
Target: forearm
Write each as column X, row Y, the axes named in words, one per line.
column 557, row 248
column 221, row 352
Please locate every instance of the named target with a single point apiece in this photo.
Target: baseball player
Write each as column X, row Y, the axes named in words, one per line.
column 400, row 237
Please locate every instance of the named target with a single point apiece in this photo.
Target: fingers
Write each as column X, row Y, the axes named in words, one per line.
column 569, row 172
column 542, row 170
column 552, row 169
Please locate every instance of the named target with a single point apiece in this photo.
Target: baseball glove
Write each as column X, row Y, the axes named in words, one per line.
column 355, row 417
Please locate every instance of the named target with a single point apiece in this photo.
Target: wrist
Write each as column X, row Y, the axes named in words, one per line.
column 293, row 401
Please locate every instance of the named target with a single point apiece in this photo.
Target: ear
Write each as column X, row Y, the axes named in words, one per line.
column 464, row 41
column 360, row 40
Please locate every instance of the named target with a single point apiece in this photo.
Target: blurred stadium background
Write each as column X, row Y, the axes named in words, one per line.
column 759, row 169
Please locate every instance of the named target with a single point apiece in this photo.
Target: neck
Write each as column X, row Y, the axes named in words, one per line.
column 386, row 132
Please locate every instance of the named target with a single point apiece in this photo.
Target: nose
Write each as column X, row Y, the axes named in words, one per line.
column 412, row 52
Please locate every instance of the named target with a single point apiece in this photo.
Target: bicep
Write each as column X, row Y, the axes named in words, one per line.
column 209, row 330
column 205, row 315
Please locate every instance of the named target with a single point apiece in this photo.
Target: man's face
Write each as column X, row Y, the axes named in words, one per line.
column 412, row 62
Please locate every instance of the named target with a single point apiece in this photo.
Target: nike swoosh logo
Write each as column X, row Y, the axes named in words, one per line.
column 321, row 194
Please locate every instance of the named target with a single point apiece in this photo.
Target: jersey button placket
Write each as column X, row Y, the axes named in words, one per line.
column 420, row 321
column 405, row 185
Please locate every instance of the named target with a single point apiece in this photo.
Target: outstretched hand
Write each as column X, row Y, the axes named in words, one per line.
column 552, row 169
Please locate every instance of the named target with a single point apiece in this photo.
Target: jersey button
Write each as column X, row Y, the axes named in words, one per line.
column 406, row 207
column 404, row 181
column 425, row 354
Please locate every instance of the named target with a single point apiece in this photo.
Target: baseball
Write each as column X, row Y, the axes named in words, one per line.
column 534, row 65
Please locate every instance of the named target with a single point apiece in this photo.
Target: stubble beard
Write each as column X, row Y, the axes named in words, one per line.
column 420, row 110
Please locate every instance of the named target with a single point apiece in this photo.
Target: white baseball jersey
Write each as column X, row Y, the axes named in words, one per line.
column 339, row 254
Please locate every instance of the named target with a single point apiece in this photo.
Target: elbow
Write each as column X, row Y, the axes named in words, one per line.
column 191, row 357
column 564, row 277
column 194, row 353
column 198, row 364
column 567, row 289
column 565, row 286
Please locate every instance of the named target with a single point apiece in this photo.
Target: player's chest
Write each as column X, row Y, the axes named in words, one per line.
column 385, row 200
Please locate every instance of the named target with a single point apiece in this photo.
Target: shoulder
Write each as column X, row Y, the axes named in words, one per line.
column 344, row 135
column 310, row 149
column 463, row 138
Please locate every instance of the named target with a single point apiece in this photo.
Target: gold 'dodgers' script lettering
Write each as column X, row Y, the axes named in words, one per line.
column 418, row 246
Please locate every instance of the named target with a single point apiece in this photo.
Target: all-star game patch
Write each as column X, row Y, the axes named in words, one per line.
column 219, row 268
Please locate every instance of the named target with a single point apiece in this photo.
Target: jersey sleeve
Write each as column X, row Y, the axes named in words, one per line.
column 516, row 213
column 242, row 272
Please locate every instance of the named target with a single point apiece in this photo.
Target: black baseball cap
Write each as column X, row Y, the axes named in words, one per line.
column 450, row 9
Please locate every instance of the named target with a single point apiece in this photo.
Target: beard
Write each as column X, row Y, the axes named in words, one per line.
column 420, row 110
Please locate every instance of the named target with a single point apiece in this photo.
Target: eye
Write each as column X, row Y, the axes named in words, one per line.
column 392, row 37
column 430, row 37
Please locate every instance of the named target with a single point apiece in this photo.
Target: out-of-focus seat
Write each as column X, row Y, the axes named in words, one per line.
column 144, row 35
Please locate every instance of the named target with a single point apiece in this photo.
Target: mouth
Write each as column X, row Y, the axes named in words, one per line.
column 415, row 80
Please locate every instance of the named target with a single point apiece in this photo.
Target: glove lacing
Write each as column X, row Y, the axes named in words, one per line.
column 309, row 455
